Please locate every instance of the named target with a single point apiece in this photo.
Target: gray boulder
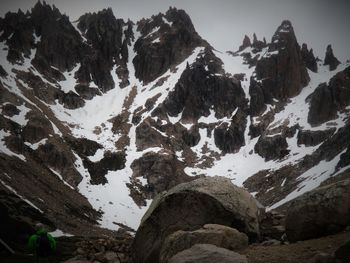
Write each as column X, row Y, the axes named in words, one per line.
column 189, row 206
column 325, row 210
column 218, row 235
column 205, row 253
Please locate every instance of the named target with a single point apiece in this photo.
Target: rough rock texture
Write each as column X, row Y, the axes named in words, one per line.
column 344, row 159
column 272, row 225
column 309, row 58
column 110, row 162
column 147, row 136
column 273, row 186
column 206, row 253
column 283, row 75
column 220, row 236
column 330, row 59
column 37, row 128
column 175, row 43
column 199, row 90
column 272, row 147
column 322, row 211
column 342, row 254
column 313, row 138
column 327, row 100
column 230, row 137
column 108, row 41
column 162, row 172
column 105, row 250
column 246, row 43
column 257, row 98
column 189, row 206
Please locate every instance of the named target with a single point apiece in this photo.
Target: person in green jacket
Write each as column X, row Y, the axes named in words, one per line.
column 42, row 244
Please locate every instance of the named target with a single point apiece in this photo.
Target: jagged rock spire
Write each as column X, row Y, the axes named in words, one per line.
column 309, row 58
column 278, row 82
column 330, row 59
column 246, row 43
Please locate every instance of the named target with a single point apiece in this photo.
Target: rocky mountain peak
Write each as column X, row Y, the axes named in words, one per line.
column 283, row 37
column 246, row 43
column 330, row 59
column 282, row 69
column 43, row 10
column 309, row 58
column 166, row 40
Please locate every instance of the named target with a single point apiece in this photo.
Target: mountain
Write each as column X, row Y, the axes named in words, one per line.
column 99, row 115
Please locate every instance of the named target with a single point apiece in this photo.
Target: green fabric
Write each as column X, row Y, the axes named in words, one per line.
column 33, row 239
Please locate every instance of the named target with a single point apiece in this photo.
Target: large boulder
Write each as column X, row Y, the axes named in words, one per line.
column 218, row 235
column 206, row 253
column 322, row 211
column 189, row 206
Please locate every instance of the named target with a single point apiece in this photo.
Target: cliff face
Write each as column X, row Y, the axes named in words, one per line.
column 101, row 105
column 283, row 74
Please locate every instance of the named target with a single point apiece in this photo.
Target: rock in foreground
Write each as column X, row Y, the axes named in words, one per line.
column 206, row 253
column 320, row 212
column 189, row 206
column 220, row 236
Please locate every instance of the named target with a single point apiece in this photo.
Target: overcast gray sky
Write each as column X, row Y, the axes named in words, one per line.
column 223, row 23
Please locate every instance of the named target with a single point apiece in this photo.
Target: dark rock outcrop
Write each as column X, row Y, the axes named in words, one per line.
column 9, row 110
column 162, row 172
column 342, row 254
column 207, row 253
column 327, row 100
column 37, row 128
column 189, row 206
column 330, row 59
column 272, row 147
column 110, row 162
column 309, row 58
column 344, row 159
column 148, row 136
column 176, row 42
column 105, row 35
column 84, row 147
column 200, row 90
column 313, row 138
column 325, row 210
column 230, row 137
column 257, row 98
column 246, row 43
column 191, row 137
column 282, row 75
column 58, row 157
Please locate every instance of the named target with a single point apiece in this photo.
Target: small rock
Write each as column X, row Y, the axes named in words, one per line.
column 206, row 253
column 271, row 242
